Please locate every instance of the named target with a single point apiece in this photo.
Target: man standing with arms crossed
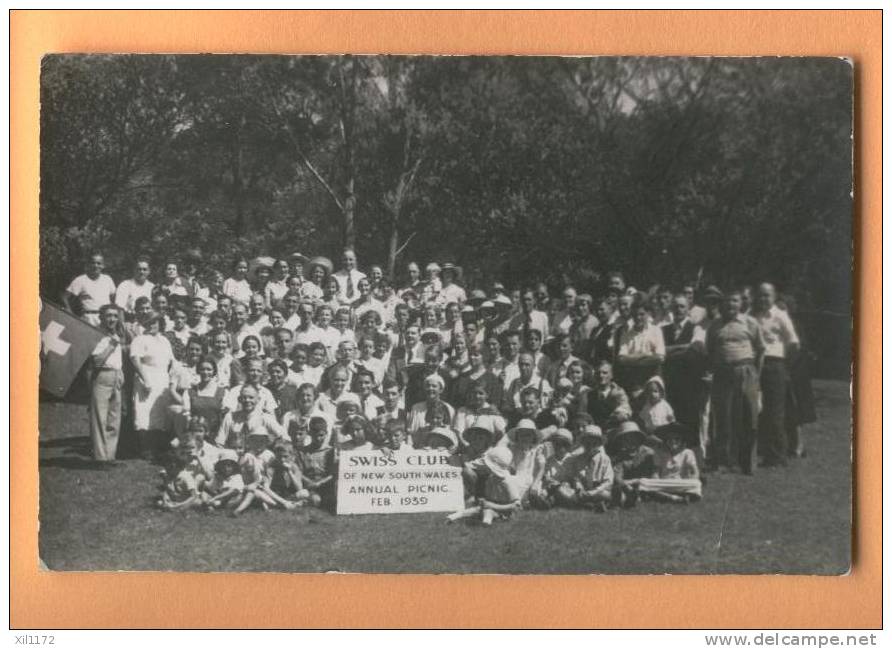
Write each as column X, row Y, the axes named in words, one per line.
column 735, row 347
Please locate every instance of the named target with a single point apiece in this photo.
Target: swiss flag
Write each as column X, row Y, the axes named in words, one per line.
column 65, row 343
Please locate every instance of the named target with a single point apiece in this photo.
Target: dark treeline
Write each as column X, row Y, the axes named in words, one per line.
column 726, row 170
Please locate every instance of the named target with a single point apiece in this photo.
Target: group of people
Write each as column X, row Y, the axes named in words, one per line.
column 249, row 387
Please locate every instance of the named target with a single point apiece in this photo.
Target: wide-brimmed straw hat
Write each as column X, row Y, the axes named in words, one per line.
column 676, row 429
column 433, row 266
column 713, row 292
column 347, row 398
column 300, row 258
column 225, row 463
column 523, row 425
column 502, row 300
column 627, row 430
column 446, row 433
column 592, row 431
column 261, row 262
column 487, row 305
column 455, row 270
column 561, row 435
column 476, row 297
column 323, row 262
column 482, row 428
column 498, row 461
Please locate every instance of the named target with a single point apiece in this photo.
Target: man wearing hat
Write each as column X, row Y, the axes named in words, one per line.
column 450, row 291
column 476, row 298
column 348, row 276
column 735, row 346
column 501, row 321
column 296, row 263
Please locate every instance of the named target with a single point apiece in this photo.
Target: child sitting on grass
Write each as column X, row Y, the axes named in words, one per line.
column 551, row 470
column 183, row 478
column 255, row 465
column 502, row 493
column 632, row 460
column 477, row 440
column 523, row 442
column 227, row 486
column 591, row 474
column 316, row 462
column 676, row 478
column 285, row 479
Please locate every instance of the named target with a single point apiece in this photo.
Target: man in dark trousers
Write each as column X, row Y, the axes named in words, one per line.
column 684, row 366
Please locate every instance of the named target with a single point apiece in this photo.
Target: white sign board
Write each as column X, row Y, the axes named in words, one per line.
column 399, row 482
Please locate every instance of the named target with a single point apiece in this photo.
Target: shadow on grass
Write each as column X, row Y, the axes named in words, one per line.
column 76, row 463
column 79, row 444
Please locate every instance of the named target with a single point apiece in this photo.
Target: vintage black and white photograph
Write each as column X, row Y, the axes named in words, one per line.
column 420, row 314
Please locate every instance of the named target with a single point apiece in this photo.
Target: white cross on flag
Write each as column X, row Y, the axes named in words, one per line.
column 65, row 343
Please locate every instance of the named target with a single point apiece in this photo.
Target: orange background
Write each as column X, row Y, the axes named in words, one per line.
column 77, row 600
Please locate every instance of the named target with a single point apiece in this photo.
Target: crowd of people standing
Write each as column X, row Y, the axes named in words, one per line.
column 249, row 386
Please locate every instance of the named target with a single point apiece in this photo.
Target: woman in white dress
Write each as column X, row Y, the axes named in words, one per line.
column 152, row 359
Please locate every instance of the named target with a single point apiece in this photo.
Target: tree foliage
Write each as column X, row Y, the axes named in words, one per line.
column 523, row 168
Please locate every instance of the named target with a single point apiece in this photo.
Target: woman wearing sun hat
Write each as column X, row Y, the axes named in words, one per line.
column 316, row 271
column 523, row 441
column 450, row 290
column 502, row 493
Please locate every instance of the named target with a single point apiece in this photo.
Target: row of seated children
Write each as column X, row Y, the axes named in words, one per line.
column 545, row 468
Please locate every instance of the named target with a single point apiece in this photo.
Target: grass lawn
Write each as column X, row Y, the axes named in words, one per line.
column 779, row 521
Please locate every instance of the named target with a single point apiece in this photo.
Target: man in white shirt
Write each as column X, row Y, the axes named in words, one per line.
column 90, row 291
column 563, row 319
column 257, row 318
column 132, row 289
column 348, row 277
column 529, row 317
column 781, row 341
column 640, row 353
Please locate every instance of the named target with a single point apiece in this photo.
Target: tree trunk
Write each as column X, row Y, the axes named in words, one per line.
column 392, row 246
column 349, row 206
column 238, row 183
